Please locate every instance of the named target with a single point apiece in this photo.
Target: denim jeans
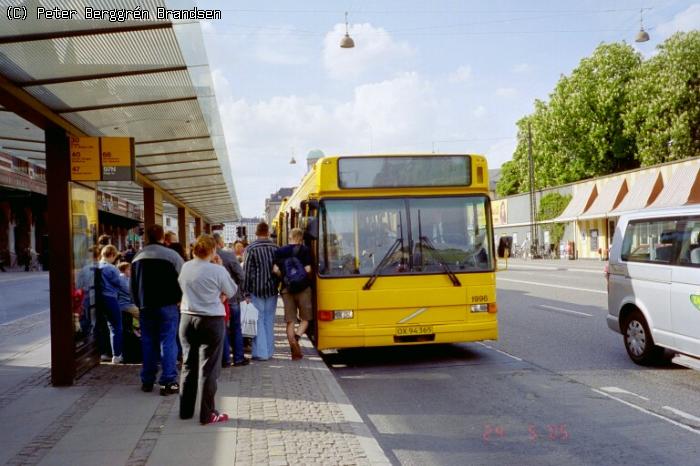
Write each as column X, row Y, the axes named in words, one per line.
column 158, row 340
column 110, row 308
column 226, row 348
column 235, row 335
column 264, row 342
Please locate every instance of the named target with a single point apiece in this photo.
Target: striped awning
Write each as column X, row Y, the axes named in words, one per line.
column 643, row 191
column 611, row 194
column 683, row 188
column 582, row 200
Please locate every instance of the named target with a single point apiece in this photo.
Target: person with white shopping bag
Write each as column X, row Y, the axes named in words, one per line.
column 260, row 288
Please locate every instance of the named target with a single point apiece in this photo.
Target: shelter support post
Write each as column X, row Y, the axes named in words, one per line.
column 152, row 207
column 63, row 365
column 197, row 226
column 182, row 226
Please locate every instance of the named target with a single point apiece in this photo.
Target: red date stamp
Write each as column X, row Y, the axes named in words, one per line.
column 550, row 432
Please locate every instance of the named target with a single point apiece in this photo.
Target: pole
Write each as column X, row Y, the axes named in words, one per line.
column 63, row 366
column 534, row 240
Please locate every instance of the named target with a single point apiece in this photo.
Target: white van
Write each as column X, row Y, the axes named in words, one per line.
column 654, row 282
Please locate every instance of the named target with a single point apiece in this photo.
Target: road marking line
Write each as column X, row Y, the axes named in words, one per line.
column 567, row 311
column 14, row 321
column 690, row 417
column 499, row 351
column 499, row 279
column 622, row 390
column 639, row 408
column 550, row 267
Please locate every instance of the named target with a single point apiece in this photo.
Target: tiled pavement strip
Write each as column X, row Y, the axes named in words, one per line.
column 282, row 412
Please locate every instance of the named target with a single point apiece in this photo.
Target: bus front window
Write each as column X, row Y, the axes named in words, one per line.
column 453, row 230
column 398, row 236
column 357, row 234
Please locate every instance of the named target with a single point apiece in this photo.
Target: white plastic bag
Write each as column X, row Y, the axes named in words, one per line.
column 249, row 319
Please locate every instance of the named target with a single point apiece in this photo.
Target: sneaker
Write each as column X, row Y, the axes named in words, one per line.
column 243, row 362
column 169, row 389
column 216, row 417
column 147, row 387
column 105, row 358
column 117, row 359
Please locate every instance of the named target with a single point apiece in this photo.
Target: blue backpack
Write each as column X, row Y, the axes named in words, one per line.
column 295, row 278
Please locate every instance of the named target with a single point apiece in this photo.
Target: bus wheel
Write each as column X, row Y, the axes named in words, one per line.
column 638, row 340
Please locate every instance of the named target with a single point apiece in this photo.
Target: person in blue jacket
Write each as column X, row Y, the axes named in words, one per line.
column 110, row 286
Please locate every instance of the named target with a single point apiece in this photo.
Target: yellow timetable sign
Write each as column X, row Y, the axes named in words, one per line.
column 85, row 159
column 102, row 159
column 117, row 159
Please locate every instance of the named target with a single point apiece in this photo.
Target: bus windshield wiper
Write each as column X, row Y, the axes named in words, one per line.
column 438, row 257
column 398, row 243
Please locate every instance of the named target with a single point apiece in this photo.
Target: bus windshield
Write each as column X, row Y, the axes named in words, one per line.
column 412, row 235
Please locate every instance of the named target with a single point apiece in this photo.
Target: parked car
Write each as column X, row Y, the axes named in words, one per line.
column 654, row 282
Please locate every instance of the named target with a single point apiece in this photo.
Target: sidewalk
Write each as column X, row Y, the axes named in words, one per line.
column 578, row 265
column 282, row 412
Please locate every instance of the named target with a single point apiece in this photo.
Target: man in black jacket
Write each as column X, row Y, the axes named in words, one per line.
column 230, row 262
column 156, row 292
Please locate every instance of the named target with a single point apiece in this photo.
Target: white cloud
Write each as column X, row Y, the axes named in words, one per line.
column 479, row 111
column 506, row 92
column 280, row 46
column 375, row 51
column 522, row 68
column 686, row 20
column 461, row 74
column 384, row 116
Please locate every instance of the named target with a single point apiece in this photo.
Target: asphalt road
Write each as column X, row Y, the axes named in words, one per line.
column 557, row 388
column 23, row 294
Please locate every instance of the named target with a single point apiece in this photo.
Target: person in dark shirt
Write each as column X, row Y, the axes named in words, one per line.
column 235, row 336
column 260, row 287
column 156, row 292
column 296, row 295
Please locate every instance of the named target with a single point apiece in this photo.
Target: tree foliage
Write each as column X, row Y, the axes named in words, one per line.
column 551, row 206
column 663, row 115
column 614, row 112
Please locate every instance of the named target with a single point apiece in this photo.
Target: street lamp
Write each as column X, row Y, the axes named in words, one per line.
column 642, row 35
column 346, row 42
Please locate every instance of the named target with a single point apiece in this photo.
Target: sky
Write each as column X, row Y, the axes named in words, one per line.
column 440, row 76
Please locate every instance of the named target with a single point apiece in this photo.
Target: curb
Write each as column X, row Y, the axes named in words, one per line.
column 369, row 444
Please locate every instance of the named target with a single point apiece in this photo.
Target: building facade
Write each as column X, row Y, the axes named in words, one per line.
column 591, row 215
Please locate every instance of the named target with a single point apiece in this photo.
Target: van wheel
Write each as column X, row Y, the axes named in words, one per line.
column 638, row 340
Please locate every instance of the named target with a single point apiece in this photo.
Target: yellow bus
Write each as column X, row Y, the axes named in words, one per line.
column 403, row 249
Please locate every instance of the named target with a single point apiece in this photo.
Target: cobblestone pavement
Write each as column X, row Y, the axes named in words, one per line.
column 283, row 412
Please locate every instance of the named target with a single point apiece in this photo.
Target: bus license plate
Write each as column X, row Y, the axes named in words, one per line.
column 418, row 330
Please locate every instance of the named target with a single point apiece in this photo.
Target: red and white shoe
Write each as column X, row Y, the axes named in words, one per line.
column 216, row 417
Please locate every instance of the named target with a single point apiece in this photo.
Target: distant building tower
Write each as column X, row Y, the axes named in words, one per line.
column 312, row 157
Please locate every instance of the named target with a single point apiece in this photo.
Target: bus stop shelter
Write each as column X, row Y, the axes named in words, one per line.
column 146, row 80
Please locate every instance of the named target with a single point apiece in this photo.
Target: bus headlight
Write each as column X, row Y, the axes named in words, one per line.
column 335, row 315
column 344, row 314
column 491, row 308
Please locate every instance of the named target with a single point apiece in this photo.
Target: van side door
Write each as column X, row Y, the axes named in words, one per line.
column 685, row 289
column 648, row 252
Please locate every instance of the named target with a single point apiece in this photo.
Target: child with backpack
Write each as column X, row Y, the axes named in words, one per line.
column 293, row 265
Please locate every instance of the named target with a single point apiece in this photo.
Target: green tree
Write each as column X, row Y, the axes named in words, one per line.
column 663, row 114
column 579, row 133
column 551, row 206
